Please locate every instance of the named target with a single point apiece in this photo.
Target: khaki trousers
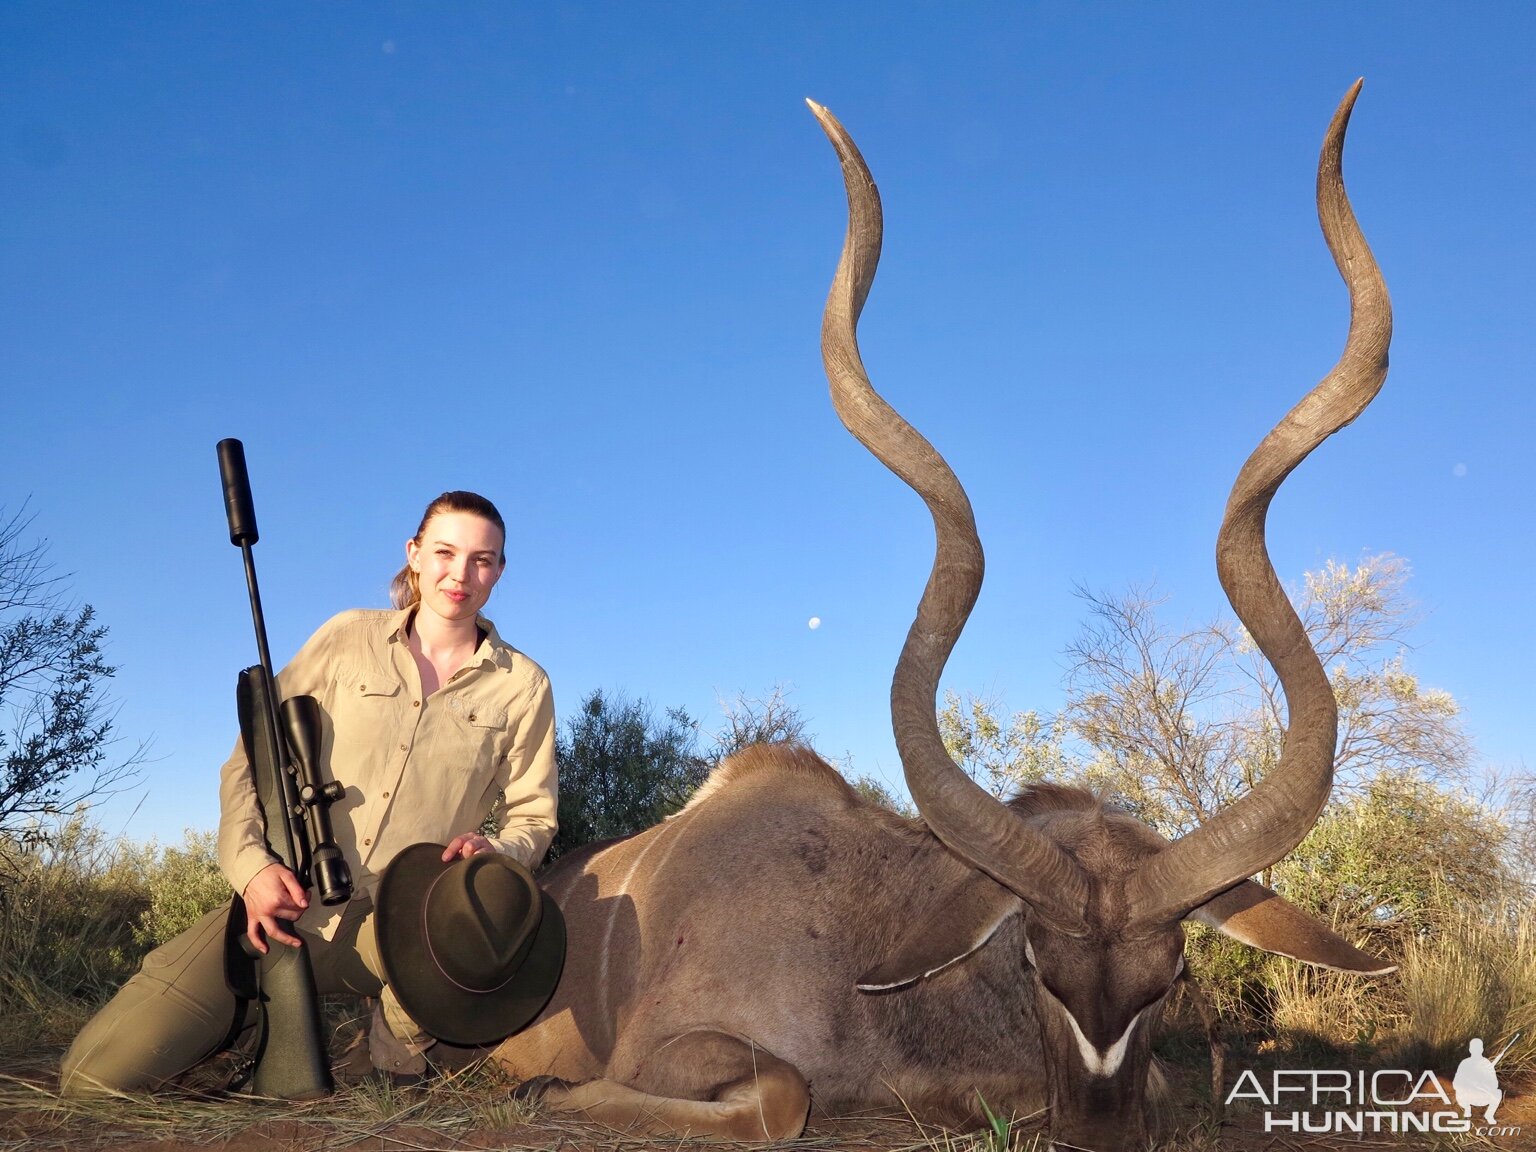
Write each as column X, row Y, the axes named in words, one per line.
column 178, row 1010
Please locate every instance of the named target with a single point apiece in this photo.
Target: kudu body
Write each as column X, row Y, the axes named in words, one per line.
column 782, row 941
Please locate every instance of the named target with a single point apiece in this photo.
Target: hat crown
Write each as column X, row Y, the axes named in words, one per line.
column 480, row 919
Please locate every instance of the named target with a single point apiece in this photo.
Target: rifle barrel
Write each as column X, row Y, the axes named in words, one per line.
column 240, row 510
column 1507, row 1047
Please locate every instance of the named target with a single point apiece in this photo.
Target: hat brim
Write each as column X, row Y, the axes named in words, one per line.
column 440, row 1007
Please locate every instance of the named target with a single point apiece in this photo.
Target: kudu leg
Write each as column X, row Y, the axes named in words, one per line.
column 699, row 1084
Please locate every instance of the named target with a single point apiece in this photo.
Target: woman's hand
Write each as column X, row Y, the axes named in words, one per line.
column 273, row 893
column 463, row 847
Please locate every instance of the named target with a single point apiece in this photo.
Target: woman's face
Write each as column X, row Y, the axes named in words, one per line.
column 457, row 563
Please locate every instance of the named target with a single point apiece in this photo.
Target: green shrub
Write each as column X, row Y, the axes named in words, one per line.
column 1396, row 861
column 183, row 883
column 1232, row 975
column 67, row 910
column 78, row 913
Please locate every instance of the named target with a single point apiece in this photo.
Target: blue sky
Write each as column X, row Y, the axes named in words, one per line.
column 574, row 256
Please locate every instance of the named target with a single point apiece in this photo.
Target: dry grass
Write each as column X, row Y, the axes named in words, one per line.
column 473, row 1111
column 66, row 908
column 1475, row 977
column 33, row 1117
column 1317, row 1009
column 78, row 911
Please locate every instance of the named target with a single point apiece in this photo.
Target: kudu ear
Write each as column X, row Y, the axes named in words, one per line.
column 966, row 917
column 1263, row 918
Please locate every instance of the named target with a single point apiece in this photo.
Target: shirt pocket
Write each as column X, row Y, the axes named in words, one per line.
column 354, row 683
column 365, row 704
column 480, row 732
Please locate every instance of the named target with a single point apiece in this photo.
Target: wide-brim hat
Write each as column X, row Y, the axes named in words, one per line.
column 472, row 948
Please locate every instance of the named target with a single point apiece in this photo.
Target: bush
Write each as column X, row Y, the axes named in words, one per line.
column 78, row 913
column 67, row 911
column 1230, row 973
column 1396, row 860
column 1409, row 871
column 622, row 768
column 183, row 883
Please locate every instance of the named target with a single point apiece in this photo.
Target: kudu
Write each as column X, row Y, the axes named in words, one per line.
column 781, row 941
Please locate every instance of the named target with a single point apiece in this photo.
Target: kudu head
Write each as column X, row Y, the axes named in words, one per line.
column 1103, row 896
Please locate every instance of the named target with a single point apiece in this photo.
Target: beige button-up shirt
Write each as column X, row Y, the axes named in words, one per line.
column 414, row 769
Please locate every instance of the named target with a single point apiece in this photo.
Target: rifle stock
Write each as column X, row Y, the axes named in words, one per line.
column 291, row 1062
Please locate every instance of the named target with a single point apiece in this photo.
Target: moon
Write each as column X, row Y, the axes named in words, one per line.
column 813, row 623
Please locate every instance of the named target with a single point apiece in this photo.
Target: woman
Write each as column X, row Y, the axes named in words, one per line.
column 431, row 721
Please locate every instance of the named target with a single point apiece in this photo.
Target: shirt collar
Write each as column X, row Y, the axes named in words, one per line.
column 493, row 647
column 492, row 650
column 401, row 624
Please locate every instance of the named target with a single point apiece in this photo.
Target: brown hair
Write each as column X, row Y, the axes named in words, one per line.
column 404, row 589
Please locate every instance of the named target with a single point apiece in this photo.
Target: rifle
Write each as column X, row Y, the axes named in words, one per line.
column 1506, row 1048
column 282, row 745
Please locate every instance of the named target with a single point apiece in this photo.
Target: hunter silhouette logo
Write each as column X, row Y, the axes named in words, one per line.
column 1477, row 1083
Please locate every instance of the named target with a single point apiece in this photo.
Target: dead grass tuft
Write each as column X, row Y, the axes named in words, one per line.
column 1475, row 977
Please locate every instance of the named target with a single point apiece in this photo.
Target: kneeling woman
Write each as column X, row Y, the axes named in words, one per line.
column 430, row 720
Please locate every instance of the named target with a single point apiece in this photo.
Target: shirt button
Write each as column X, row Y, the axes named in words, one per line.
column 415, row 703
column 362, row 687
column 386, row 795
column 471, row 716
column 402, row 747
column 366, row 843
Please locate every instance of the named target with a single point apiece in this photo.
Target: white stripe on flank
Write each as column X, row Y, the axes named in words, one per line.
column 615, row 905
column 670, row 831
